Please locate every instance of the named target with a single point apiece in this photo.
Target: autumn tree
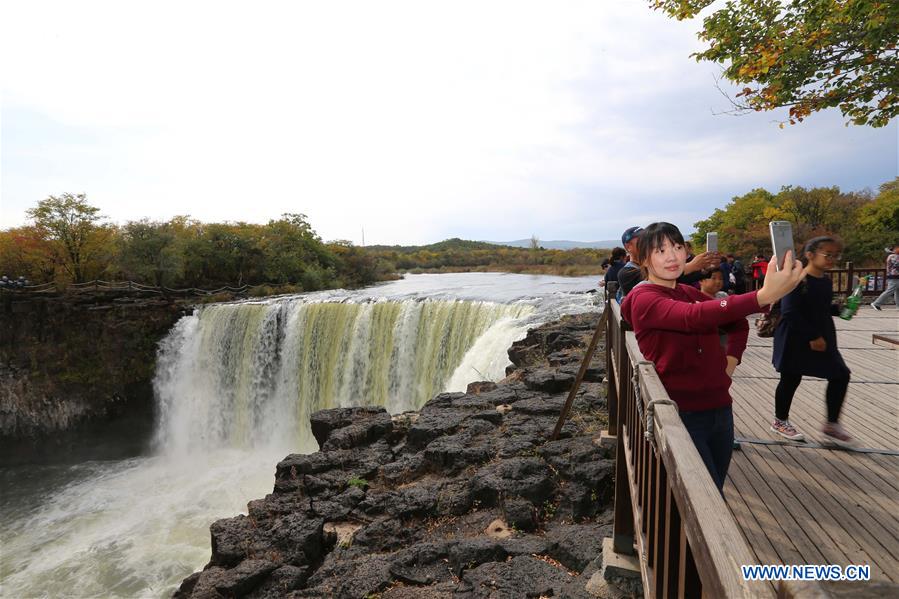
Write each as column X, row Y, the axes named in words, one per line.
column 72, row 225
column 742, row 225
column 876, row 224
column 804, row 55
column 863, row 223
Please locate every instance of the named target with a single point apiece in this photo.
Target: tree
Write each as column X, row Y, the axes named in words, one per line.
column 742, row 225
column 25, row 252
column 69, row 221
column 865, row 224
column 806, row 55
column 149, row 252
column 878, row 225
column 535, row 248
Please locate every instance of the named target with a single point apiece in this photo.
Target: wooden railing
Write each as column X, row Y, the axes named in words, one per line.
column 98, row 286
column 845, row 279
column 667, row 508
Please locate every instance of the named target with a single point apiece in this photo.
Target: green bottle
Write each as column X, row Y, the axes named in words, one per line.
column 854, row 300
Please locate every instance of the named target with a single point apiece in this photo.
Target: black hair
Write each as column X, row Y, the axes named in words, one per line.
column 652, row 237
column 814, row 243
column 703, row 274
column 618, row 254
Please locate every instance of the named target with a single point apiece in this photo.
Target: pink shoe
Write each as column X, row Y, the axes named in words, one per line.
column 787, row 430
column 835, row 434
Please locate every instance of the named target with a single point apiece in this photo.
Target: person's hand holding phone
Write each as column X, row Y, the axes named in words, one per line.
column 703, row 261
column 818, row 344
column 778, row 283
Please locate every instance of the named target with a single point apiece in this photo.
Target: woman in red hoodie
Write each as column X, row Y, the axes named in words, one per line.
column 677, row 329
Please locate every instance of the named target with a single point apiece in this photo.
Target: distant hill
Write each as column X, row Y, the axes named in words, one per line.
column 454, row 244
column 561, row 244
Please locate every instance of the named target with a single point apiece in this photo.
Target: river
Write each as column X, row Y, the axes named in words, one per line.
column 125, row 512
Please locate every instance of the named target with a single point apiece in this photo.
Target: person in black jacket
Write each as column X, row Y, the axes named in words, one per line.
column 616, row 261
column 805, row 343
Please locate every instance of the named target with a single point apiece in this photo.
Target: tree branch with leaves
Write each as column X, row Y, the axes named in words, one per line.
column 804, row 55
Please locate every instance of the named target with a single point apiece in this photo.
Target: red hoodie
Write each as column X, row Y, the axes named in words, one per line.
column 677, row 329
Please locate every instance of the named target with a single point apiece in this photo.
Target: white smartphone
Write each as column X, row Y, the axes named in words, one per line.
column 711, row 242
column 781, row 239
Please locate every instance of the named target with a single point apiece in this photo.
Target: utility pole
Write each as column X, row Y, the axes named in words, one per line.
column 363, row 236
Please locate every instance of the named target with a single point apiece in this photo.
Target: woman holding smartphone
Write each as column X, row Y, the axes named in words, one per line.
column 677, row 328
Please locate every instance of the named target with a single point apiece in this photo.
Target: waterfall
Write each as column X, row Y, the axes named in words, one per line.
column 235, row 384
column 249, row 375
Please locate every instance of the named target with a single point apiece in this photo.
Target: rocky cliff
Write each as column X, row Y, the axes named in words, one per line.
column 67, row 360
column 466, row 498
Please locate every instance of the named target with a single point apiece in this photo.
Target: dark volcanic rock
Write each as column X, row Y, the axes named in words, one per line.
column 345, row 428
column 530, row 478
column 466, row 498
column 523, row 576
column 480, row 387
column 548, row 380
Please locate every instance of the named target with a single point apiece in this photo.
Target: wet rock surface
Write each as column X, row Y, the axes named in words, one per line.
column 465, row 498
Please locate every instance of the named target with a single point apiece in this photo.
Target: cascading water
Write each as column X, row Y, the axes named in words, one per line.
column 235, row 385
column 248, row 375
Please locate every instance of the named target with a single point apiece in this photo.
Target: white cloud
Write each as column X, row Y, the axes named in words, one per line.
column 408, row 118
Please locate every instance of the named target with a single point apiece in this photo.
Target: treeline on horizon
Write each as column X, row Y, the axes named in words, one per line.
column 68, row 241
column 864, row 222
column 454, row 255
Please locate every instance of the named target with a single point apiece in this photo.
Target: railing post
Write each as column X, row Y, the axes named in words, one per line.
column 612, row 384
column 623, row 524
column 850, row 274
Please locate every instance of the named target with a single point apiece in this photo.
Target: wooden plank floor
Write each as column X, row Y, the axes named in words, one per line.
column 797, row 505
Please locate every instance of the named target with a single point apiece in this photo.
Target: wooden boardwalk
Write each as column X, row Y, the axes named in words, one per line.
column 804, row 505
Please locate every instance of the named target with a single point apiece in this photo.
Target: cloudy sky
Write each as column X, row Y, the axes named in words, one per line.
column 416, row 120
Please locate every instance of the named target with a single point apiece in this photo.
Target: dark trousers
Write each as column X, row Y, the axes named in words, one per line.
column 786, row 388
column 712, row 432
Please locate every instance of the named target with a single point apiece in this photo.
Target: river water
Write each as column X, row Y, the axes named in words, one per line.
column 234, row 387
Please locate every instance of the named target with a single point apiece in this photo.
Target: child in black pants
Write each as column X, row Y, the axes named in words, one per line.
column 805, row 343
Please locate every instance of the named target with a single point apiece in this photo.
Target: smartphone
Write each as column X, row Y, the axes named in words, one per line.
column 781, row 239
column 711, row 242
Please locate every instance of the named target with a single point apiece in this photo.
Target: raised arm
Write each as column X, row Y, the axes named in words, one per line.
column 653, row 311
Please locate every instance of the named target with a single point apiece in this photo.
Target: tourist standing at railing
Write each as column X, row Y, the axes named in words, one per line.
column 616, row 262
column 892, row 279
column 677, row 329
column 629, row 274
column 759, row 268
column 738, row 272
column 805, row 343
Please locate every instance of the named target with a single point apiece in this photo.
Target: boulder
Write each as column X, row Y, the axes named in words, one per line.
column 345, row 428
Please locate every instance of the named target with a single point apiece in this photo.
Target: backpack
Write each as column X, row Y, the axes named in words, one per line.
column 767, row 323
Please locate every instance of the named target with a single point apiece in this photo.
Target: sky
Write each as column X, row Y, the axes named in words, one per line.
column 413, row 121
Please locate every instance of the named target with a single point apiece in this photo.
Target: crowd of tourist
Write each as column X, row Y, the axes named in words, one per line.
column 688, row 312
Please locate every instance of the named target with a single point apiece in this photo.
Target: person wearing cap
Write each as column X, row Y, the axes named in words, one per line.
column 630, row 274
